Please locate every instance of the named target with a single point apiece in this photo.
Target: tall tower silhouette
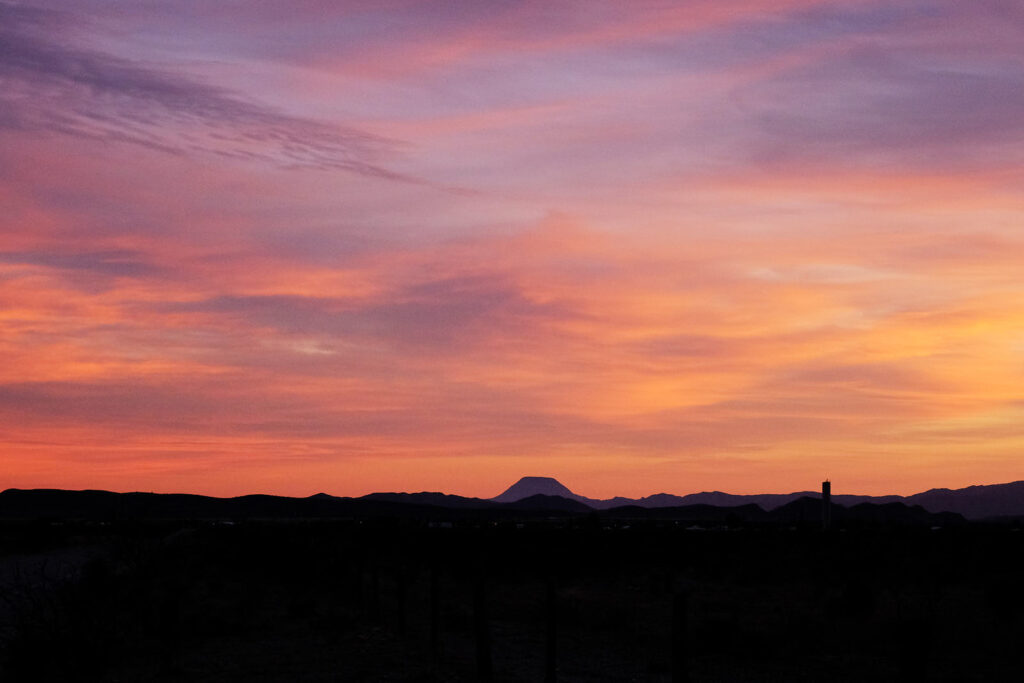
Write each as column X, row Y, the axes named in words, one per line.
column 826, row 504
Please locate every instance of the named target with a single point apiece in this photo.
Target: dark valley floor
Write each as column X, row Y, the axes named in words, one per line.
column 402, row 600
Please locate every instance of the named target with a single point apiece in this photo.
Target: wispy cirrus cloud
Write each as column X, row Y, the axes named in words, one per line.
column 51, row 83
column 109, row 263
column 445, row 316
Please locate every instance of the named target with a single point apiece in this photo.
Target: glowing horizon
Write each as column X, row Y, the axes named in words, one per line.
column 287, row 248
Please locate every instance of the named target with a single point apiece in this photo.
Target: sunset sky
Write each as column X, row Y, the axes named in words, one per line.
column 286, row 246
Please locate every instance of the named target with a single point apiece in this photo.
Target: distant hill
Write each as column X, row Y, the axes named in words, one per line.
column 110, row 506
column 528, row 497
column 534, row 486
column 973, row 502
column 107, row 506
column 541, row 501
column 808, row 509
column 802, row 511
column 444, row 500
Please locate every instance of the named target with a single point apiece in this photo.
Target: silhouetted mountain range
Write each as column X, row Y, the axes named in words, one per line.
column 531, row 497
column 973, row 502
column 105, row 506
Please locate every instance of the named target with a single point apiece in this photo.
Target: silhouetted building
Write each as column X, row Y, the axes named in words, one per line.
column 826, row 504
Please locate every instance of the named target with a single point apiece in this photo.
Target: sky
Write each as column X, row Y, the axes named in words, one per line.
column 290, row 246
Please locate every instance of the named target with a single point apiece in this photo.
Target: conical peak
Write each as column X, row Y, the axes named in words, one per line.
column 532, row 486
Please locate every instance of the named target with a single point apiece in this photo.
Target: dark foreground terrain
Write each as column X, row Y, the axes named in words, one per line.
column 403, row 600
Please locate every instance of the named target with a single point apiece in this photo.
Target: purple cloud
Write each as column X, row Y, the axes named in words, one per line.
column 51, row 84
column 931, row 87
column 112, row 263
column 439, row 315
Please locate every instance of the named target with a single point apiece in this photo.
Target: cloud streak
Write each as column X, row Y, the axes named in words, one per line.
column 53, row 86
